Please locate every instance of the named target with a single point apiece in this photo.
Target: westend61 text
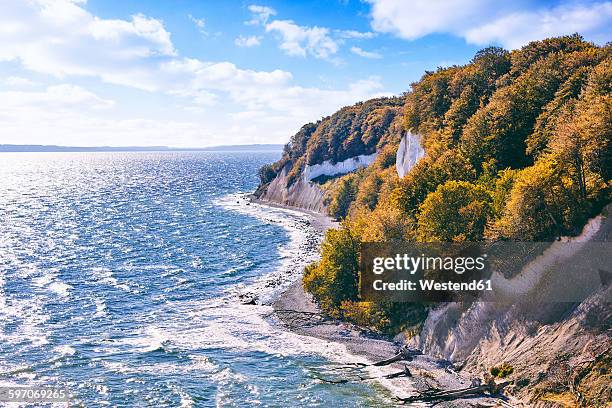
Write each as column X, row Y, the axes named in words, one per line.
column 429, row 284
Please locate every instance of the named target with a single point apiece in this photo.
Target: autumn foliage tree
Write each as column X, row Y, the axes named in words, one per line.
column 334, row 278
column 456, row 211
column 517, row 147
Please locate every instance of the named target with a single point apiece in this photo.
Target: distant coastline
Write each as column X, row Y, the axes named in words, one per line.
column 54, row 148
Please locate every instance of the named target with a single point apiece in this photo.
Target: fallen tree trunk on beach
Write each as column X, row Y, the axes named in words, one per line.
column 404, row 373
column 491, row 389
column 403, row 354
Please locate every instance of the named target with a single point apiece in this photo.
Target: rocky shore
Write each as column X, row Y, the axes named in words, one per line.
column 297, row 311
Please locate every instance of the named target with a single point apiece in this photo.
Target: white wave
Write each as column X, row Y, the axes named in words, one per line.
column 43, row 280
column 61, row 352
column 60, row 288
column 50, row 281
column 293, row 258
column 105, row 276
column 198, row 364
column 145, row 340
column 186, row 400
column 64, row 350
column 101, row 309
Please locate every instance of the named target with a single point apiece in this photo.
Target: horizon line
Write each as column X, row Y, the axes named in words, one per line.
column 16, row 148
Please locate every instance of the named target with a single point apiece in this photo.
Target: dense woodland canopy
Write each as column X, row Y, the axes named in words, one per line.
column 517, row 148
column 359, row 129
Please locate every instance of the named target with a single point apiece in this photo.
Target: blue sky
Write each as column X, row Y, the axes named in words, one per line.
column 202, row 73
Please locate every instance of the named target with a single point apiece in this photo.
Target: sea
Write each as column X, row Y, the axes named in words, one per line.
column 121, row 275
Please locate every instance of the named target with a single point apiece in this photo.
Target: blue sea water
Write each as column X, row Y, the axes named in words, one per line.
column 118, row 280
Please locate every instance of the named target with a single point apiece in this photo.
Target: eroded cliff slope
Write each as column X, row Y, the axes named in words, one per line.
column 339, row 144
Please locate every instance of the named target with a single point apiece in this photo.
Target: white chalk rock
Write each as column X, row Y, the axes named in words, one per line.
column 327, row 168
column 408, row 154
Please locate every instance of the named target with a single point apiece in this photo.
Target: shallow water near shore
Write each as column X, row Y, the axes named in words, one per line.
column 120, row 275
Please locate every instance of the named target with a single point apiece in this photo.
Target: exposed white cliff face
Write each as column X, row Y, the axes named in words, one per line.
column 301, row 194
column 327, row 168
column 455, row 330
column 409, row 153
column 305, row 194
column 533, row 335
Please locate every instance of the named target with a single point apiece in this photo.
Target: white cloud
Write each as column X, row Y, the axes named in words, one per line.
column 308, row 103
column 414, row 19
column 79, row 128
column 365, row 54
column 60, row 38
column 250, row 41
column 199, row 22
column 68, row 116
column 301, row 41
column 55, row 97
column 517, row 29
column 260, row 14
column 353, row 34
column 192, row 100
column 483, row 22
column 15, row 81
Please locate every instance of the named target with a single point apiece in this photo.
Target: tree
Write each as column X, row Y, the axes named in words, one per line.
column 427, row 175
column 334, row 278
column 542, row 205
column 342, row 196
column 569, row 146
column 266, row 173
column 501, row 191
column 456, row 211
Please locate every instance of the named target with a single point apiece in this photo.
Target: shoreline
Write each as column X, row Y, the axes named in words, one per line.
column 320, row 222
column 427, row 371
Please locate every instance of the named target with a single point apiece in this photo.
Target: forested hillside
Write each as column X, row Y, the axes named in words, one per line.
column 517, row 148
column 363, row 128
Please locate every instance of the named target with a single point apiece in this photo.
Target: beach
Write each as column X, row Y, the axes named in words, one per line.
column 296, row 311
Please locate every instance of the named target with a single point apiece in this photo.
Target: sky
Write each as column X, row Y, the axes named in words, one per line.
column 193, row 73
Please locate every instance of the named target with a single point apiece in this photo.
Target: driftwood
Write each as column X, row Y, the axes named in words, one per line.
column 403, row 354
column 489, row 389
column 404, row 373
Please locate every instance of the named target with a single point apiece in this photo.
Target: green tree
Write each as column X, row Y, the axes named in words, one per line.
column 342, row 196
column 266, row 173
column 334, row 278
column 542, row 205
column 501, row 191
column 456, row 211
column 427, row 175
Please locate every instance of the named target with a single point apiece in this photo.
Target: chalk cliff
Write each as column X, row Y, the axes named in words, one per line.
column 569, row 339
column 302, row 194
column 408, row 153
column 329, row 169
column 339, row 144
